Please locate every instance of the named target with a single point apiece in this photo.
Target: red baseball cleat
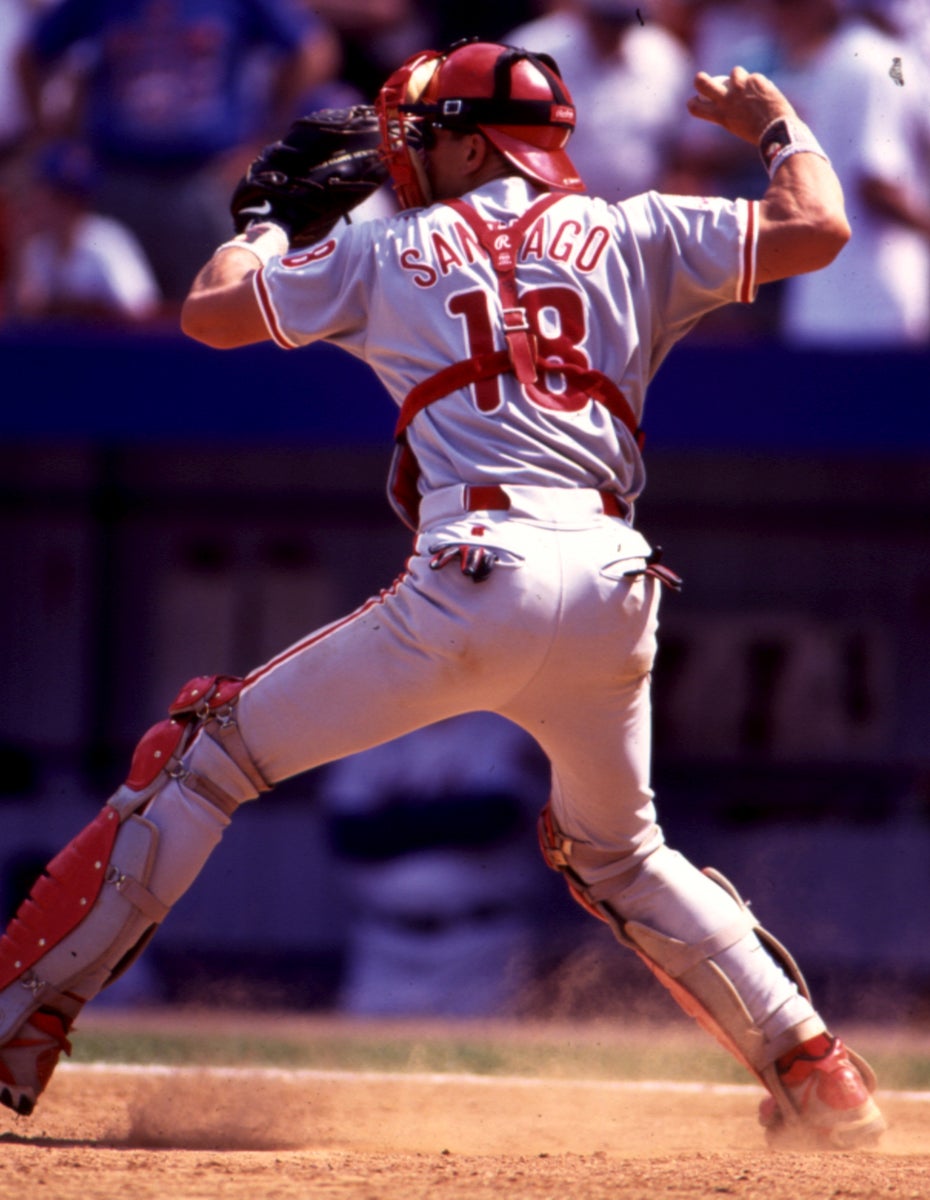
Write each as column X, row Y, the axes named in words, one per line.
column 830, row 1100
column 28, row 1059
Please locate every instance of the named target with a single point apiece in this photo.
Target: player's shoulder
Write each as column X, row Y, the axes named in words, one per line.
column 505, row 200
column 656, row 215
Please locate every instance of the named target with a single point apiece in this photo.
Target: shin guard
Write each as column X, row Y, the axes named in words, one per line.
column 92, row 911
column 86, row 919
column 690, row 973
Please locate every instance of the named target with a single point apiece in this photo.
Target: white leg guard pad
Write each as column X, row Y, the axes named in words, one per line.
column 208, row 769
column 189, row 831
column 739, row 982
column 724, row 969
column 99, row 902
column 123, row 915
column 698, row 978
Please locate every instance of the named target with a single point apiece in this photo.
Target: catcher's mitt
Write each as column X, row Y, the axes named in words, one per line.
column 325, row 165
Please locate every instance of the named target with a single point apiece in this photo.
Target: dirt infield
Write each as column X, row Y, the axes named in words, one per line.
column 243, row 1133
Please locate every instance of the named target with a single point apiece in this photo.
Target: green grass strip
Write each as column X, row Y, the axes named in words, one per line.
column 550, row 1057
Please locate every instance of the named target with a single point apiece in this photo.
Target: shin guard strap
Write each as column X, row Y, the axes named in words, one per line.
column 677, row 957
column 210, row 792
column 224, row 730
column 140, row 898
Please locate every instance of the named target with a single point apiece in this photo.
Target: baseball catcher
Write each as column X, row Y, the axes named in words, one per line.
column 516, row 323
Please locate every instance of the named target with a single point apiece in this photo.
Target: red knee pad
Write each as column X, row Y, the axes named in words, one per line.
column 200, row 697
column 206, row 694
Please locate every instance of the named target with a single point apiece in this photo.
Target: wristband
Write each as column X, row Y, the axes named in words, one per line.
column 783, row 137
column 265, row 241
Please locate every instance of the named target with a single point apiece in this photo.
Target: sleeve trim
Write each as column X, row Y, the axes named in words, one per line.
column 748, row 283
column 270, row 316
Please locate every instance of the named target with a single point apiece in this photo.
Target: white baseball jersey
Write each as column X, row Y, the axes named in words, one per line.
column 606, row 286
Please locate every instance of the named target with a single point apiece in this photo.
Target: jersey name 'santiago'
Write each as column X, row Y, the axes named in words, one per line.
column 570, row 243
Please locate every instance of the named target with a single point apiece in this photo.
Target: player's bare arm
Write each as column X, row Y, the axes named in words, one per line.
column 221, row 309
column 291, row 196
column 802, row 216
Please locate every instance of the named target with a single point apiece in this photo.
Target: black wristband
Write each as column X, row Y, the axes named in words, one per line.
column 783, row 137
column 774, row 138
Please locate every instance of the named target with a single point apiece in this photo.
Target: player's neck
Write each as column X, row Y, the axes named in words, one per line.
column 490, row 171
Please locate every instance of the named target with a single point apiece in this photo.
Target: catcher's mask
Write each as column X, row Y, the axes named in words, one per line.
column 515, row 98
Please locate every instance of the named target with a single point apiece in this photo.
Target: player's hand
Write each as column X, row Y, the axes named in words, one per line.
column 742, row 103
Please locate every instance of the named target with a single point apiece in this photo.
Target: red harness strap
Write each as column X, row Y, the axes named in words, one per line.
column 503, row 244
column 521, row 357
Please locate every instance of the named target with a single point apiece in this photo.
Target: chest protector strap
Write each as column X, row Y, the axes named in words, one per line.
column 521, row 357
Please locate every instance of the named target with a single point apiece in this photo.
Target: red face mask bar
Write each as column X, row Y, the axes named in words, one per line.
column 401, row 134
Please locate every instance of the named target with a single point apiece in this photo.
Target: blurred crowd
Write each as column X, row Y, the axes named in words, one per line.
column 124, row 125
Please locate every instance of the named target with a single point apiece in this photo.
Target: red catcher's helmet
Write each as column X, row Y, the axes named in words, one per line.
column 515, row 98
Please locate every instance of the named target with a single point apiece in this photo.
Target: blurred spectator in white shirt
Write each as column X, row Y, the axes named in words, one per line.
column 629, row 78
column 864, row 92
column 71, row 263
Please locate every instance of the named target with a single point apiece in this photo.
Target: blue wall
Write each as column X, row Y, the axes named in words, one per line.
column 790, row 489
column 73, row 383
